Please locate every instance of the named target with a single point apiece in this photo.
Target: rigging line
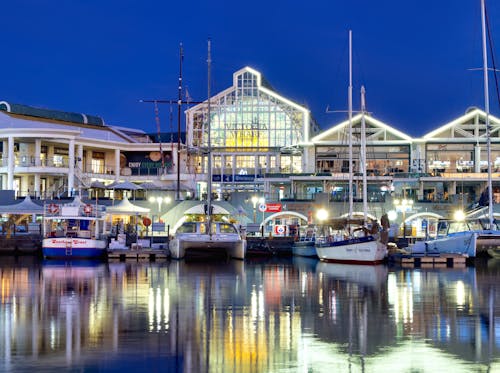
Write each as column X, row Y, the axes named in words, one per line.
column 158, row 129
column 490, row 40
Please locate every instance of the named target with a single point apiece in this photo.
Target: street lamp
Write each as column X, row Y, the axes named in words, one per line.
column 404, row 206
column 255, row 199
column 262, row 202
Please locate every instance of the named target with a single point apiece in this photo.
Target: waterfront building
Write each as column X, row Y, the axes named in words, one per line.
column 267, row 150
column 51, row 154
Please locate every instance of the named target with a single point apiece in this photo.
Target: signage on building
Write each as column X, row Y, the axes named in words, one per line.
column 273, row 207
column 158, row 227
column 279, row 230
column 237, row 178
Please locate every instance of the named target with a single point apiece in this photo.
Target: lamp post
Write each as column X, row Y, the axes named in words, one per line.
column 255, row 199
column 160, row 200
column 262, row 202
column 404, row 206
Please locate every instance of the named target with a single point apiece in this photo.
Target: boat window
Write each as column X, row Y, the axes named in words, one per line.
column 187, row 228
column 227, row 228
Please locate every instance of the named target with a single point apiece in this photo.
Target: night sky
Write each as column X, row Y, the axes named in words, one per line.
column 101, row 57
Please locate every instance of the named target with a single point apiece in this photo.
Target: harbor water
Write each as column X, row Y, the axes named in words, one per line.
column 259, row 315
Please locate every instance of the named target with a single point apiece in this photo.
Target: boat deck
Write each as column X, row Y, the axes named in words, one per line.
column 138, row 255
column 428, row 261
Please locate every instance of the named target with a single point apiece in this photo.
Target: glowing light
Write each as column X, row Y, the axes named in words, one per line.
column 322, row 214
column 459, row 215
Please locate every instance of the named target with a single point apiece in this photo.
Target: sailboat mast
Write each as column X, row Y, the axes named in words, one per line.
column 209, row 141
column 363, row 152
column 179, row 103
column 349, row 106
column 487, row 110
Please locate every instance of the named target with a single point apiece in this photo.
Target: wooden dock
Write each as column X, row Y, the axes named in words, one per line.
column 441, row 261
column 152, row 255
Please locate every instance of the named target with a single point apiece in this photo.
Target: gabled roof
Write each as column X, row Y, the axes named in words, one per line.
column 471, row 125
column 375, row 131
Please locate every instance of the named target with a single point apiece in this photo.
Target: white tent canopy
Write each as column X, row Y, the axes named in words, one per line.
column 126, row 207
column 200, row 209
column 26, row 206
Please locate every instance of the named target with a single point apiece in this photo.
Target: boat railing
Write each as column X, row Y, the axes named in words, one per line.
column 65, row 210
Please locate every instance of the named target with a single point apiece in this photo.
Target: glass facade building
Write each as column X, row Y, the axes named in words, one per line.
column 253, row 132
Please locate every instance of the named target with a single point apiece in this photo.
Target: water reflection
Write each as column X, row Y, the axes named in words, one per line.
column 277, row 315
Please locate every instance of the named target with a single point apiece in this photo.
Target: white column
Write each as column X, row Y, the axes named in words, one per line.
column 117, row 164
column 71, row 167
column 10, row 164
column 477, row 158
column 79, row 151
column 36, row 185
column 38, row 152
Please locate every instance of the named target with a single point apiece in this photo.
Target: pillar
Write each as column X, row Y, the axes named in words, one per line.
column 71, row 167
column 117, row 164
column 38, row 152
column 477, row 158
column 79, row 160
column 10, row 164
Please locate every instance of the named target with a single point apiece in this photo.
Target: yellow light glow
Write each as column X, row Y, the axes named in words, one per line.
column 322, row 214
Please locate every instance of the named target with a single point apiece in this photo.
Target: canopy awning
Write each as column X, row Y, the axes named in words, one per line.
column 26, row 206
column 126, row 207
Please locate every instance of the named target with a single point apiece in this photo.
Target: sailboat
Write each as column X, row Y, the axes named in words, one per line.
column 208, row 238
column 465, row 237
column 351, row 240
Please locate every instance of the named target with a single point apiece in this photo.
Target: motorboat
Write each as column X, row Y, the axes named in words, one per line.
column 305, row 243
column 72, row 231
column 207, row 240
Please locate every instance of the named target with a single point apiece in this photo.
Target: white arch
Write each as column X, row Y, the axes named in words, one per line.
column 7, row 105
column 360, row 214
column 293, row 213
column 428, row 214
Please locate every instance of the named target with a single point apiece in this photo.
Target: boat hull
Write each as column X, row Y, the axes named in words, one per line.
column 365, row 250
column 463, row 243
column 73, row 248
column 194, row 246
column 304, row 248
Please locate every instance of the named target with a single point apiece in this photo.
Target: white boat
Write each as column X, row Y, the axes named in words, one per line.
column 194, row 239
column 72, row 231
column 208, row 238
column 305, row 243
column 347, row 243
column 461, row 243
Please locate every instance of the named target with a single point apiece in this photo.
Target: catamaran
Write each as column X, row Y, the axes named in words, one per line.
column 208, row 238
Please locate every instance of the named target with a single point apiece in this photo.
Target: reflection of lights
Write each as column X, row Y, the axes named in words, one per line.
column 460, row 293
column 303, row 283
column 166, row 308
column 151, row 309
column 401, row 298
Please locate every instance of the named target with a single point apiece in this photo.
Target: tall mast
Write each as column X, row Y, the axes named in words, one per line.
column 209, row 141
column 179, row 103
column 487, row 110
column 349, row 105
column 363, row 152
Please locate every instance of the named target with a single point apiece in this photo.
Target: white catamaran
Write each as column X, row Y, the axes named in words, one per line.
column 208, row 238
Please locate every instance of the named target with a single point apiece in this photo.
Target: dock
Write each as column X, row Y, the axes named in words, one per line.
column 153, row 255
column 428, row 261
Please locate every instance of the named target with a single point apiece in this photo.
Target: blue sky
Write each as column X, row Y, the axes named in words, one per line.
column 102, row 57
